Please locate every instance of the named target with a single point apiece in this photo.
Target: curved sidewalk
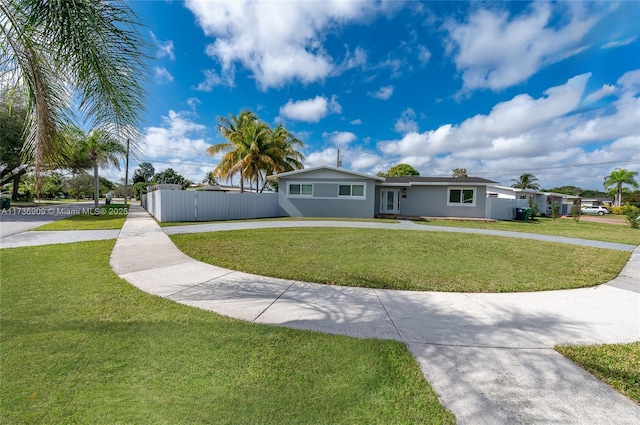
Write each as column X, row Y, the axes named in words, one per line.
column 488, row 356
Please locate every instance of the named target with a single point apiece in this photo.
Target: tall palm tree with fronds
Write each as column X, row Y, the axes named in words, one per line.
column 238, row 131
column 254, row 150
column 98, row 148
column 526, row 181
column 54, row 50
column 617, row 179
column 285, row 150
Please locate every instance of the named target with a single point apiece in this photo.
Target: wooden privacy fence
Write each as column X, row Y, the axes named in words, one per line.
column 187, row 205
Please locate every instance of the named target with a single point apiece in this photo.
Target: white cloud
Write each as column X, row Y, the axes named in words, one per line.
column 539, row 134
column 162, row 75
column 163, row 49
column 325, row 157
column 279, row 42
column 630, row 82
column 357, row 121
column 212, row 79
column 493, row 50
column 619, row 43
column 178, row 138
column 193, row 103
column 361, row 160
column 604, row 91
column 340, row 138
column 334, row 106
column 310, row 110
column 383, row 93
column 424, row 55
column 407, row 122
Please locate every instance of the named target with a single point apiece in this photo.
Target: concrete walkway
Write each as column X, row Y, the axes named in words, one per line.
column 54, row 237
column 488, row 356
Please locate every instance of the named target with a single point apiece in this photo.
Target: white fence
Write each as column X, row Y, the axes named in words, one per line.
column 183, row 205
column 503, row 209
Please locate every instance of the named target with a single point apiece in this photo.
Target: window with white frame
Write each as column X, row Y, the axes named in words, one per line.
column 300, row 189
column 351, row 190
column 461, row 196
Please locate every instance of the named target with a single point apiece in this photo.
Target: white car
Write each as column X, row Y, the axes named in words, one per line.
column 594, row 210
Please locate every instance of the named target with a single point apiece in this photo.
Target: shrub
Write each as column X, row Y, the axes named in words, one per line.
column 555, row 210
column 633, row 215
column 535, row 211
column 616, row 210
column 576, row 212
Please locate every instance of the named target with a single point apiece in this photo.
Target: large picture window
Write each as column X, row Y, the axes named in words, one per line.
column 462, row 196
column 351, row 190
column 300, row 189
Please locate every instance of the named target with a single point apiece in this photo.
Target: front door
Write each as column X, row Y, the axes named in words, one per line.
column 390, row 201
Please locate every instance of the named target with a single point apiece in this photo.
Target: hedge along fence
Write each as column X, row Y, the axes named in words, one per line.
column 188, row 205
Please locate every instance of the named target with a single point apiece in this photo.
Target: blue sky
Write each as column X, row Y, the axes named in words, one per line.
column 497, row 88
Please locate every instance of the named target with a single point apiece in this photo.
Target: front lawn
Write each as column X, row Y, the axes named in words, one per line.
column 79, row 345
column 548, row 226
column 366, row 220
column 111, row 217
column 616, row 364
column 401, row 259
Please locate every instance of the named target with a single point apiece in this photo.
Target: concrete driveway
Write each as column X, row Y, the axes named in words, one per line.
column 489, row 357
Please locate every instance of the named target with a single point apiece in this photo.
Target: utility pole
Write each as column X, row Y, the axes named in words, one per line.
column 338, row 161
column 126, row 175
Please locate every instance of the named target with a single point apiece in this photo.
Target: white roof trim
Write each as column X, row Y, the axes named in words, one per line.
column 324, row 167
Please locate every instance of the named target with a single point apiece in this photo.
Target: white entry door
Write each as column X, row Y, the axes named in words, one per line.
column 390, row 201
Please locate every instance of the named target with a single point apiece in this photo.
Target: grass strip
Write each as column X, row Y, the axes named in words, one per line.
column 547, row 226
column 111, row 217
column 80, row 345
column 398, row 259
column 364, row 220
column 616, row 364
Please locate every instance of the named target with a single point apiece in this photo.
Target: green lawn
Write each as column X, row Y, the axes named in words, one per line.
column 616, row 364
column 367, row 220
column 111, row 217
column 559, row 227
column 80, row 345
column 399, row 259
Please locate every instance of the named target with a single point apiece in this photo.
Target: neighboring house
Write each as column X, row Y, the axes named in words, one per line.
column 164, row 186
column 215, row 188
column 544, row 200
column 335, row 192
column 596, row 202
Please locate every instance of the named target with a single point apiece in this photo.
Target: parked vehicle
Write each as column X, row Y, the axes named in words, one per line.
column 595, row 210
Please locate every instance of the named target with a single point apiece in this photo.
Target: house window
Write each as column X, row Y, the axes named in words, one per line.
column 299, row 189
column 351, row 190
column 462, row 196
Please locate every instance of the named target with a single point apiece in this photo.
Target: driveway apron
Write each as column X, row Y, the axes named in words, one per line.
column 489, row 357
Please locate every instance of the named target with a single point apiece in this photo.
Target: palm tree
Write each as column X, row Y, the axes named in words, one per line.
column 617, row 178
column 254, row 150
column 56, row 49
column 210, row 178
column 241, row 132
column 99, row 148
column 526, row 181
column 285, row 157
